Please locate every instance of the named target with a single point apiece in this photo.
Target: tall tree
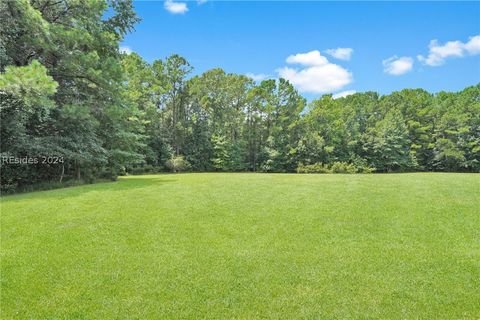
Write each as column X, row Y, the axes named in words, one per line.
column 388, row 144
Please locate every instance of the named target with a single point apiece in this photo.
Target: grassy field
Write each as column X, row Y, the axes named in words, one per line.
column 245, row 246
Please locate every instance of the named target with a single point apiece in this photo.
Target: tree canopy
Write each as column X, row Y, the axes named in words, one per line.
column 68, row 92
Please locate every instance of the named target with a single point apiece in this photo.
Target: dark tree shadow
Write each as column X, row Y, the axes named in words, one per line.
column 122, row 184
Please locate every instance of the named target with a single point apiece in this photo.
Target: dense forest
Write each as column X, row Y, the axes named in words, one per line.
column 73, row 107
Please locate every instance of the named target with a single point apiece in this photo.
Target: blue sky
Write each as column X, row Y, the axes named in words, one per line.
column 386, row 46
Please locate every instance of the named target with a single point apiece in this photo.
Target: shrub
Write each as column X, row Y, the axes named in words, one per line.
column 313, row 168
column 335, row 167
column 178, row 164
column 362, row 166
column 145, row 169
column 342, row 167
column 365, row 169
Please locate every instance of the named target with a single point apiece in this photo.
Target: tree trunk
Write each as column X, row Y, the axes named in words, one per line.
column 63, row 172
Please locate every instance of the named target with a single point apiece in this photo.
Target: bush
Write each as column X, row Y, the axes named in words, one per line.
column 342, row 167
column 335, row 167
column 178, row 164
column 145, row 169
column 313, row 168
column 362, row 166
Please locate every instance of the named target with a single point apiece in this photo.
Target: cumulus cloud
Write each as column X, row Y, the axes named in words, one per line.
column 175, row 7
column 397, row 66
column 312, row 58
column 318, row 75
column 340, row 53
column 438, row 53
column 257, row 76
column 473, row 45
column 125, row 49
column 343, row 94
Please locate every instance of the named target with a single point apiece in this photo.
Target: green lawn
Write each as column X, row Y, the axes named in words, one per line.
column 245, row 246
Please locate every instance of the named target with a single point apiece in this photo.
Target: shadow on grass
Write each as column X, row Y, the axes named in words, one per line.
column 122, row 184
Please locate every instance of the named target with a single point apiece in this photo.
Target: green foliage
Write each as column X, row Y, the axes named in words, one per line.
column 313, row 168
column 178, row 164
column 388, row 145
column 64, row 91
column 335, row 167
column 30, row 83
column 26, row 107
column 457, row 131
column 342, row 167
column 67, row 91
column 220, row 156
column 144, row 169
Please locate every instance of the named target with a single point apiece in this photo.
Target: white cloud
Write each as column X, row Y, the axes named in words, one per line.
column 318, row 76
column 175, row 7
column 397, row 66
column 340, row 53
column 318, row 79
column 473, row 45
column 343, row 94
column 439, row 53
column 312, row 58
column 257, row 77
column 125, row 49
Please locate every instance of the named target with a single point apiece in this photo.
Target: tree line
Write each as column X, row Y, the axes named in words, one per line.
column 67, row 94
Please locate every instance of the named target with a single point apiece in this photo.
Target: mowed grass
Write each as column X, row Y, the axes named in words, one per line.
column 245, row 246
